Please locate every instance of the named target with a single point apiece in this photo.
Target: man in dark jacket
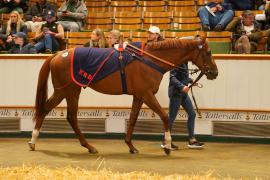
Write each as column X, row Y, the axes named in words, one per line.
column 215, row 15
column 35, row 15
column 13, row 5
column 247, row 33
column 21, row 45
column 178, row 95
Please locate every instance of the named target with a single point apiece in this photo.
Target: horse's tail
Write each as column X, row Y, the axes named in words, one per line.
column 42, row 88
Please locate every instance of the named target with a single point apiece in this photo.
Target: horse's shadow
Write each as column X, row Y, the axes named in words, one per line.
column 112, row 156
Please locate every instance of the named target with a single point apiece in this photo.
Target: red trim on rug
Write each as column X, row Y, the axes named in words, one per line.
column 71, row 70
column 99, row 68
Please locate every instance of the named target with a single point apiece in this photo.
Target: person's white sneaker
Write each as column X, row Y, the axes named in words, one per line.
column 195, row 145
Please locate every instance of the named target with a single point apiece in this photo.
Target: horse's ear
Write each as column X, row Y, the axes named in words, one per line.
column 206, row 45
column 199, row 40
column 203, row 43
column 203, row 38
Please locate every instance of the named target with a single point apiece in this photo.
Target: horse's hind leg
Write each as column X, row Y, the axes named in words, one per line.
column 72, row 110
column 51, row 103
column 150, row 100
column 136, row 106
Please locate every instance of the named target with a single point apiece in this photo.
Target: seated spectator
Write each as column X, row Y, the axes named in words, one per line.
column 215, row 15
column 247, row 33
column 15, row 24
column 21, row 45
column 72, row 14
column 35, row 15
column 241, row 4
column 97, row 40
column 8, row 6
column 49, row 34
column 113, row 38
column 154, row 34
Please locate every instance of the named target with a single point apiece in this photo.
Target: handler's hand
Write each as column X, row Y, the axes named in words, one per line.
column 185, row 89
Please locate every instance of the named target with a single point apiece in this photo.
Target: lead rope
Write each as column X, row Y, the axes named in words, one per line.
column 193, row 97
column 195, row 103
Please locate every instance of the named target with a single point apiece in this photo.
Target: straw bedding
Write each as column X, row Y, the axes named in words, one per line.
column 69, row 173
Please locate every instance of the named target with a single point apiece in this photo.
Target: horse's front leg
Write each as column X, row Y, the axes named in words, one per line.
column 150, row 100
column 136, row 106
column 72, row 99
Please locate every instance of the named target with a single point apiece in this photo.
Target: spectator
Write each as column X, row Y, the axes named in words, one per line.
column 35, row 16
column 113, row 37
column 72, row 14
column 15, row 24
column 241, row 4
column 97, row 39
column 8, row 6
column 247, row 33
column 21, row 45
column 215, row 15
column 49, row 34
column 154, row 34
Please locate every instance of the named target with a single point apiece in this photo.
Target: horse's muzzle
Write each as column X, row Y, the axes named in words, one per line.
column 211, row 74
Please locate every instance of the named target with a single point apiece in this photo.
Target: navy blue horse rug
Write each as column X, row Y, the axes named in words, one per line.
column 88, row 65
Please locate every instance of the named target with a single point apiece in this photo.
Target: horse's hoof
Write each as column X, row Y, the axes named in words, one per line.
column 31, row 146
column 134, row 151
column 167, row 151
column 93, row 151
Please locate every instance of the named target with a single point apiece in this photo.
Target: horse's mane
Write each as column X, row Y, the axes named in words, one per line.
column 172, row 43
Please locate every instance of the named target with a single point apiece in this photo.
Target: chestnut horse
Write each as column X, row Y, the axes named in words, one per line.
column 142, row 83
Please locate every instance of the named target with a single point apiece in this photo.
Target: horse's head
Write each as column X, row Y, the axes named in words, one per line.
column 204, row 60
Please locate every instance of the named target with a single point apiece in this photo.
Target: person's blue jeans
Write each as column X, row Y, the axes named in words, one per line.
column 48, row 42
column 186, row 103
column 221, row 18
